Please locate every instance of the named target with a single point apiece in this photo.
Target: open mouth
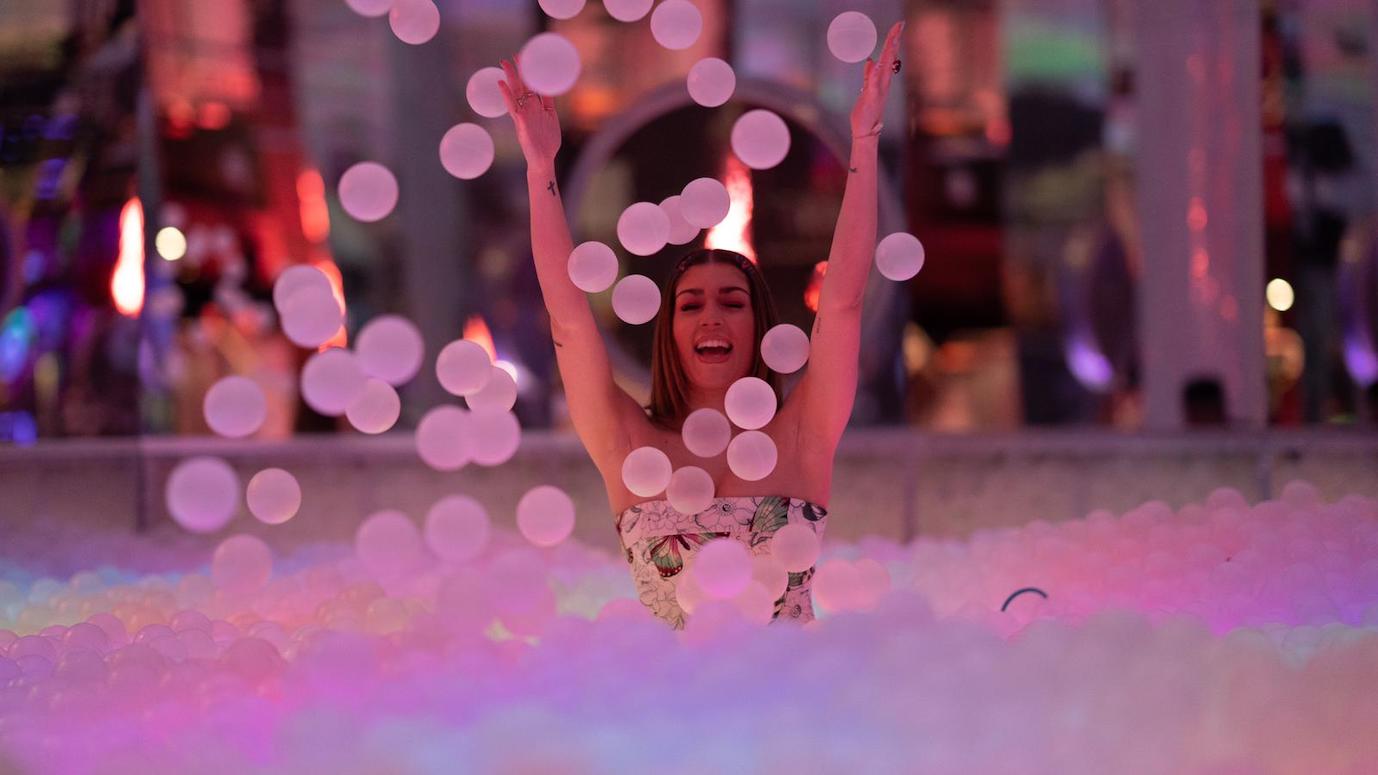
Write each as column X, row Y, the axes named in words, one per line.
column 713, row 350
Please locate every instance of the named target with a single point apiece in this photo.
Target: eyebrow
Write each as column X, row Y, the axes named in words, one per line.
column 699, row 291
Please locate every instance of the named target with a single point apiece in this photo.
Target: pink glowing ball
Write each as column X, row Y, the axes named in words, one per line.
column 785, row 348
column 295, row 278
column 235, row 407
column 755, row 603
column 494, row 436
column 795, row 546
column 681, row 231
column 368, row 191
column 750, row 403
column 852, row 36
column 463, row 601
column 706, row 432
column 499, row 394
column 463, row 367
column 545, row 515
column 466, row 151
column 760, row 139
column 767, row 571
column 752, row 456
column 688, row 593
column 836, row 585
column 522, row 597
column 722, row 567
column 562, row 9
column 273, row 496
column 690, row 490
column 484, row 94
column 705, row 202
column 646, row 471
column 331, row 381
column 311, row 317
column 636, row 299
column 442, row 438
column 676, row 24
column 414, row 21
column 370, row 8
column 390, row 348
column 389, row 545
column 592, row 267
column 549, row 64
column 643, row 229
column 627, row 10
column 241, row 564
column 376, row 409
column 711, row 82
column 457, row 528
column 899, row 256
column 202, row 494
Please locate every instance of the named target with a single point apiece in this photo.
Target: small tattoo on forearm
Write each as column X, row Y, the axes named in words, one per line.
column 851, row 169
column 551, row 187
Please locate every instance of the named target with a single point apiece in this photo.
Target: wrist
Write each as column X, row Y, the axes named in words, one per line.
column 541, row 169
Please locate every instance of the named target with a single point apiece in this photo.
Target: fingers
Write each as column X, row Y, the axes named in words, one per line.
column 866, row 73
column 888, row 56
column 508, row 99
column 547, row 103
column 514, row 80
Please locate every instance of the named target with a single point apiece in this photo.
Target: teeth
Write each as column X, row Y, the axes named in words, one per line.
column 712, row 343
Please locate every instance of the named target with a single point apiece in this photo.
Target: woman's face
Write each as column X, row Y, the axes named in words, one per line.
column 714, row 325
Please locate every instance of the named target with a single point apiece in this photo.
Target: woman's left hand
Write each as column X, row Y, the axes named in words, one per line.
column 870, row 104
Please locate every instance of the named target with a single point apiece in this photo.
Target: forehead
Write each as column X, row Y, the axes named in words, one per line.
column 712, row 277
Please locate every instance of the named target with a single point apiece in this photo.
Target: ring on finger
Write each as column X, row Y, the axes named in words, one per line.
column 895, row 66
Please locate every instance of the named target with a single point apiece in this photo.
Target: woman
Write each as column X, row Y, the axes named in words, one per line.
column 714, row 309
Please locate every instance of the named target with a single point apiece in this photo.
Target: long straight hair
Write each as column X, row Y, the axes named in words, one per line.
column 669, row 384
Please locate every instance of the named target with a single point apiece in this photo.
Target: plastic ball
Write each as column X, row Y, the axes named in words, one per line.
column 390, row 348
column 273, row 496
column 295, row 278
column 522, row 597
column 545, row 515
column 706, row 432
column 873, row 583
column 235, row 407
column 646, row 471
column 836, row 585
column 331, row 381
column 484, row 94
column 681, row 231
column 755, row 603
column 851, row 36
column 499, row 394
column 463, row 367
column 690, row 490
column 627, row 10
column 676, row 24
column 704, row 203
column 562, row 9
column 722, row 567
column 688, row 593
column 376, row 409
column 711, row 82
column 785, row 348
column 760, row 139
column 202, row 494
column 414, row 21
column 899, row 256
column 457, row 528
column 592, row 267
column 751, row 456
column 767, row 571
column 368, row 191
column 795, row 546
column 643, row 229
column 241, row 564
column 311, row 317
column 442, row 438
column 495, row 435
column 466, row 151
column 635, row 299
column 549, row 64
column 370, row 8
column 388, row 544
column 750, row 403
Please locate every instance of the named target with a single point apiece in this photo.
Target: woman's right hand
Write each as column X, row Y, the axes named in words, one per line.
column 538, row 126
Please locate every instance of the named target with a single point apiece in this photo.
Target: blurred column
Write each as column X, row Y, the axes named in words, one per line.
column 1200, row 205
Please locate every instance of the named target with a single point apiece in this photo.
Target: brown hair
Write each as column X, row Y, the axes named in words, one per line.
column 669, row 385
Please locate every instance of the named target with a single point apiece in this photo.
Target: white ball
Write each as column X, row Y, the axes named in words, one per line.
column 202, row 494
column 376, row 409
column 484, row 94
column 706, row 432
column 370, row 8
column 750, row 403
column 235, row 407
column 852, row 36
column 635, row 299
column 899, row 256
column 388, row 544
column 273, row 495
column 711, row 82
column 751, row 456
column 592, row 267
column 795, row 546
column 414, row 21
column 722, row 567
column 760, row 139
column 494, row 435
column 296, row 277
column 705, row 202
column 681, row 231
column 646, row 471
column 466, row 151
column 442, row 438
column 390, row 348
column 463, row 367
column 331, row 381
column 690, row 490
column 545, row 515
column 676, row 24
column 457, row 528
column 785, row 348
column 562, row 9
column 627, row 10
column 500, row 394
column 311, row 317
column 643, row 229
column 549, row 64
column 368, row 191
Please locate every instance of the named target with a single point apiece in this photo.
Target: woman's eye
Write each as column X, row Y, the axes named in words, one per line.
column 736, row 306
column 688, row 307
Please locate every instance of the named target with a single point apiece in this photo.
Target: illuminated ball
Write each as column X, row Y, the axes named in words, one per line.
column 681, row 231
column 750, row 403
column 484, row 94
column 457, row 528
column 795, row 546
column 414, row 21
column 202, row 494
column 463, row 367
column 755, row 603
column 836, row 585
column 706, row 432
column 241, row 564
column 376, row 409
column 690, row 490
column 627, row 10
column 549, row 64
column 688, row 593
column 562, row 9
column 545, row 515
column 676, row 24
column 368, row 191
column 311, row 317
column 494, row 435
column 751, row 456
column 646, row 471
column 705, row 202
column 711, row 82
column 466, row 151
column 442, row 438
column 295, row 278
column 899, row 256
column 235, row 407
column 592, row 267
column 767, row 571
column 390, row 348
column 388, row 544
column 499, row 394
column 273, row 496
column 331, row 381
column 785, row 348
column 852, row 36
column 643, row 229
column 722, row 567
column 873, row 583
column 635, row 299
column 370, row 8
column 760, row 139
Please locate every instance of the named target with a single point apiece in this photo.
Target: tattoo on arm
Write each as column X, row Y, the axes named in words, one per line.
column 851, row 169
column 551, row 187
